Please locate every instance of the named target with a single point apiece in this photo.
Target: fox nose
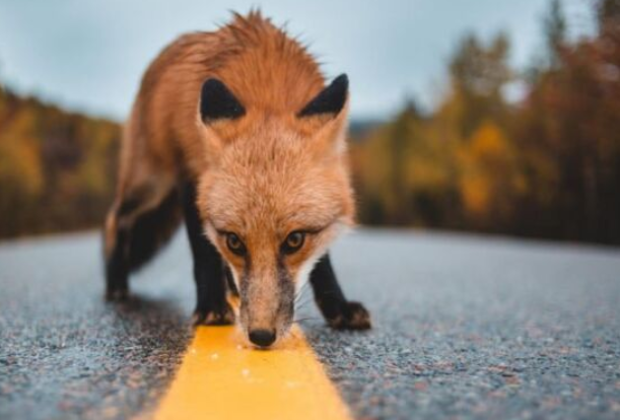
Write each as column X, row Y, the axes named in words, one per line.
column 262, row 338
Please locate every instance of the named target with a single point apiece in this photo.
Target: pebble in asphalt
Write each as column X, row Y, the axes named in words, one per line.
column 464, row 327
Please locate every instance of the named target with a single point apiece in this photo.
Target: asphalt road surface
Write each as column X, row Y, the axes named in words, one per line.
column 464, row 327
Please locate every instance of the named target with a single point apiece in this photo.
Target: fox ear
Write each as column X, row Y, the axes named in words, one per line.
column 218, row 102
column 329, row 101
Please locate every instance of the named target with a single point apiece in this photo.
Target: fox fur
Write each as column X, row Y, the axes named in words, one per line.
column 271, row 161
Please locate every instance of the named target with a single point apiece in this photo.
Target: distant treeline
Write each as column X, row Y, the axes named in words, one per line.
column 56, row 168
column 547, row 166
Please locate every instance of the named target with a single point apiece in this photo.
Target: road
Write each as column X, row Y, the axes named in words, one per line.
column 464, row 327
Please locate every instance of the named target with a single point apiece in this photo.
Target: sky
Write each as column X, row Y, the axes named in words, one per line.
column 89, row 55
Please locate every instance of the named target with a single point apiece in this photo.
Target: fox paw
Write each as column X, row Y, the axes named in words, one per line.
column 224, row 316
column 352, row 316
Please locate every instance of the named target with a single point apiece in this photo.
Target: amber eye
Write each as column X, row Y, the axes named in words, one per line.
column 294, row 241
column 235, row 244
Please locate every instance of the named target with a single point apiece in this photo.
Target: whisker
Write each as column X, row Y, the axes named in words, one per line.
column 295, row 334
column 307, row 318
column 300, row 293
column 302, row 304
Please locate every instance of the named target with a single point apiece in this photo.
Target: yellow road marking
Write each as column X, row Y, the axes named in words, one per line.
column 219, row 379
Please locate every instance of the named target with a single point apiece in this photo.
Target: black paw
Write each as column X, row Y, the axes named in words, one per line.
column 224, row 316
column 352, row 316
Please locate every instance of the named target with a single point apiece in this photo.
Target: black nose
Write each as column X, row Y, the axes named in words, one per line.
column 262, row 338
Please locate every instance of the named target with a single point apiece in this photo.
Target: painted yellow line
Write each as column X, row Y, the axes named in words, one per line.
column 219, row 379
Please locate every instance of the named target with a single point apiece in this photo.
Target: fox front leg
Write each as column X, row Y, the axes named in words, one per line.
column 336, row 309
column 212, row 307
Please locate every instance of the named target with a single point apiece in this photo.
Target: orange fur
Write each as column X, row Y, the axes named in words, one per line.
column 271, row 74
column 261, row 176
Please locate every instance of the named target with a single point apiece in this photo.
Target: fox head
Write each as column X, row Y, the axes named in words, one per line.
column 275, row 194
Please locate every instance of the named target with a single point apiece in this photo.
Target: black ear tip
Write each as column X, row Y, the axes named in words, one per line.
column 217, row 101
column 342, row 80
column 330, row 100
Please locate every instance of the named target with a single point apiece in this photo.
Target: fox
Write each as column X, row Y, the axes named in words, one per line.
column 236, row 133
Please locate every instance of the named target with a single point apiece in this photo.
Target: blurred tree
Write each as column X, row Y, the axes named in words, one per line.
column 20, row 171
column 569, row 124
column 491, row 180
column 548, row 166
column 608, row 14
column 56, row 168
column 478, row 74
column 400, row 135
column 555, row 32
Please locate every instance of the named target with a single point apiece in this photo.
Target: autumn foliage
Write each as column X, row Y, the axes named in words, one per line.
column 56, row 168
column 545, row 166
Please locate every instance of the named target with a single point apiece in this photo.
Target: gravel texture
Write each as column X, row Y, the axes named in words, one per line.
column 464, row 327
column 64, row 352
column 469, row 327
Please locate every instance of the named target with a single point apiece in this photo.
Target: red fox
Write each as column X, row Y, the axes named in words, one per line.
column 236, row 132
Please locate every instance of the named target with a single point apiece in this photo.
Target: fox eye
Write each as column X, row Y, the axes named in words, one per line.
column 294, row 241
column 235, row 244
